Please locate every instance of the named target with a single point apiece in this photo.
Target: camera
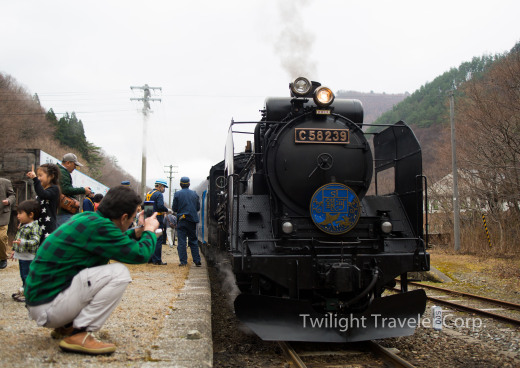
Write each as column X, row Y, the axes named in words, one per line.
column 148, row 209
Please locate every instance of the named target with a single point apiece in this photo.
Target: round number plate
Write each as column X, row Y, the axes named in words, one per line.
column 335, row 208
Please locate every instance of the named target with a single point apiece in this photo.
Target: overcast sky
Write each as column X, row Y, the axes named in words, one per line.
column 218, row 60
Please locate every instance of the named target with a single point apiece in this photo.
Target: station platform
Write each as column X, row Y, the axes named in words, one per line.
column 163, row 320
column 185, row 339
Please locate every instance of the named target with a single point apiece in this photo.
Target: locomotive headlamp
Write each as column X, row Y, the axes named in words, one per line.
column 386, row 227
column 301, row 86
column 323, row 96
column 287, row 227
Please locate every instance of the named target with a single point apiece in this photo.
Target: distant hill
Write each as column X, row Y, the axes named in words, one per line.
column 25, row 124
column 374, row 104
column 428, row 105
column 427, row 110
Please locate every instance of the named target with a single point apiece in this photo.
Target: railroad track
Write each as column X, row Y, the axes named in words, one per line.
column 477, row 310
column 383, row 356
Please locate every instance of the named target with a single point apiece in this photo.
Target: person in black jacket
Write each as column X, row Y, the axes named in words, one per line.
column 46, row 186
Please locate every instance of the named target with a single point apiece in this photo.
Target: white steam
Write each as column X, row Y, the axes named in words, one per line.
column 294, row 43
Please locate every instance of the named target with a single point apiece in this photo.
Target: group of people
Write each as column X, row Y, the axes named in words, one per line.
column 68, row 284
column 186, row 205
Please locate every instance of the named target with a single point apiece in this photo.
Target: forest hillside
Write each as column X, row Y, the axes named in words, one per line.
column 25, row 124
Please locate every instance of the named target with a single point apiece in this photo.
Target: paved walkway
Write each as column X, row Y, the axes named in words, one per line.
column 185, row 339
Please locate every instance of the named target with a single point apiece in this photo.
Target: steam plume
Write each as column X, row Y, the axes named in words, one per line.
column 294, row 44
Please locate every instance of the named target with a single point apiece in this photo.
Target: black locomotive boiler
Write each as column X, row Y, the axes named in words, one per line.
column 311, row 239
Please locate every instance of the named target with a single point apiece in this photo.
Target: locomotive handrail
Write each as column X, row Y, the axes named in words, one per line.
column 247, row 240
column 425, row 210
column 256, row 122
column 340, row 242
column 424, row 251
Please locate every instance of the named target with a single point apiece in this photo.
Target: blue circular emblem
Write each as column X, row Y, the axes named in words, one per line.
column 335, row 208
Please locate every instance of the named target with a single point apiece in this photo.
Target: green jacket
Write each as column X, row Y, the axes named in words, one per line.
column 66, row 183
column 88, row 240
column 67, row 188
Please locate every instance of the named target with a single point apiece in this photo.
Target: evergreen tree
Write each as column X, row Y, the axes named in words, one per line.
column 70, row 132
column 427, row 105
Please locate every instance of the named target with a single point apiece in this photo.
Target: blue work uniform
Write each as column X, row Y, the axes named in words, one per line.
column 187, row 204
column 88, row 205
column 158, row 206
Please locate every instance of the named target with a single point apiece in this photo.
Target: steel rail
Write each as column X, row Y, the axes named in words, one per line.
column 388, row 355
column 490, row 300
column 470, row 309
column 289, row 351
column 476, row 310
column 380, row 351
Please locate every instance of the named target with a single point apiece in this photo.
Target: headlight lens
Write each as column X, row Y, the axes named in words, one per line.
column 386, row 227
column 287, row 227
column 323, row 96
column 301, row 86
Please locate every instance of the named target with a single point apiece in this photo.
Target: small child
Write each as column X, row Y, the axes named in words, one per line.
column 48, row 195
column 27, row 240
column 97, row 200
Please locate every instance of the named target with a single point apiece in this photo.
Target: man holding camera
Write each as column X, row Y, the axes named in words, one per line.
column 71, row 287
column 68, row 165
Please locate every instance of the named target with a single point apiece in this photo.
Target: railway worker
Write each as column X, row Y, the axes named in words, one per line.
column 88, row 202
column 71, row 287
column 156, row 196
column 7, row 200
column 68, row 165
column 186, row 203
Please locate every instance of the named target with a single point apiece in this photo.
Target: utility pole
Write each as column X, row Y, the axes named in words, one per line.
column 146, row 110
column 456, row 204
column 171, row 172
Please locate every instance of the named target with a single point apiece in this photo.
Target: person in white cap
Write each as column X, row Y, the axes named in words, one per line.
column 156, row 196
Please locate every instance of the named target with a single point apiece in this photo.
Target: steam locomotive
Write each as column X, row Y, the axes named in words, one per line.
column 310, row 236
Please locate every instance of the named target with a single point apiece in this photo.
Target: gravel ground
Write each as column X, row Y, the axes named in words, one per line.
column 234, row 345
column 493, row 345
column 133, row 326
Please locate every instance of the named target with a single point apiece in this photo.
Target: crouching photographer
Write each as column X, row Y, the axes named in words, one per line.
column 71, row 287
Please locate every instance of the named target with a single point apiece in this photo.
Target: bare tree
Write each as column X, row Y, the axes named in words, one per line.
column 488, row 119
